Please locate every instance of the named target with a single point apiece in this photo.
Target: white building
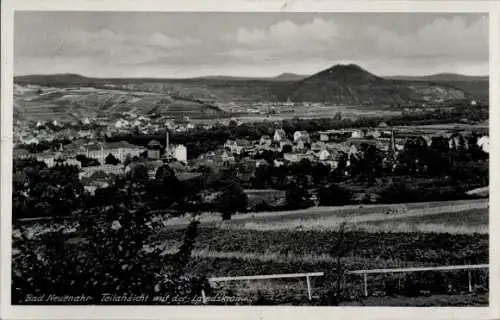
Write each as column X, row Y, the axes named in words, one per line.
column 357, row 134
column 484, row 143
column 323, row 155
column 301, row 135
column 279, row 135
column 119, row 150
column 121, row 123
column 180, row 153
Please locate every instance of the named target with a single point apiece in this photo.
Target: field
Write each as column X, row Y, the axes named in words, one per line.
column 411, row 235
column 442, row 233
column 72, row 103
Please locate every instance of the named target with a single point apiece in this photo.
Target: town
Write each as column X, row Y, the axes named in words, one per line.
column 83, row 144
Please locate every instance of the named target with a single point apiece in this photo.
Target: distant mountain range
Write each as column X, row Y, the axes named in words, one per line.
column 342, row 84
column 71, row 78
column 351, row 84
column 281, row 77
column 450, row 77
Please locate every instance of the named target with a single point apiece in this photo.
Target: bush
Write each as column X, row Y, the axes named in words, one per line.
column 111, row 159
column 108, row 257
column 232, row 199
column 334, row 195
column 298, row 198
column 398, row 192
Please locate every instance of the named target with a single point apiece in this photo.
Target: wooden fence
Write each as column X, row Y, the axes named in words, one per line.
column 354, row 272
column 269, row 276
column 420, row 269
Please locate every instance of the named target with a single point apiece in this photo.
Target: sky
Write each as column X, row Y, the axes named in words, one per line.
column 191, row 44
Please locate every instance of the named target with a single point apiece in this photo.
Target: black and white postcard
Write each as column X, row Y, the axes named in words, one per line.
column 302, row 157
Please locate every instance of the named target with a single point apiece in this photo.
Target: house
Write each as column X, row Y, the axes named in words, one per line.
column 225, row 157
column 244, row 145
column 30, row 140
column 107, row 169
column 278, row 163
column 456, row 140
column 261, row 163
column 301, row 135
column 291, row 157
column 21, row 153
column 300, row 146
column 121, row 123
column 154, row 147
column 279, row 135
column 296, row 157
column 324, row 137
column 357, row 134
column 317, row 146
column 373, row 134
column 180, row 153
column 265, row 140
column 285, row 142
column 333, row 135
column 355, row 145
column 120, row 150
column 48, row 158
column 323, row 155
column 484, row 143
column 234, row 146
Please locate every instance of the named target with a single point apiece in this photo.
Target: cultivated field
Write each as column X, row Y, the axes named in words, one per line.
column 422, row 234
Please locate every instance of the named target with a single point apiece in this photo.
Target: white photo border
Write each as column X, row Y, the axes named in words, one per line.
column 254, row 312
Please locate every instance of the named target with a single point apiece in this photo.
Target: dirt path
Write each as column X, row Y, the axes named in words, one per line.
column 322, row 215
column 333, row 221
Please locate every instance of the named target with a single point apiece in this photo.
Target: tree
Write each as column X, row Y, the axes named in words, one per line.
column 111, row 159
column 107, row 257
column 39, row 191
column 287, row 148
column 232, row 199
column 86, row 161
column 298, row 198
column 139, row 173
column 334, row 195
column 164, row 172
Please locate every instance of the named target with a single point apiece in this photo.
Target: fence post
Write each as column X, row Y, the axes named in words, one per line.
column 470, row 280
column 308, row 288
column 204, row 298
column 366, row 284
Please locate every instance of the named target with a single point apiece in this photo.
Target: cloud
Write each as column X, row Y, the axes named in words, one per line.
column 439, row 40
column 286, row 33
column 443, row 38
column 124, row 48
column 107, row 38
column 106, row 45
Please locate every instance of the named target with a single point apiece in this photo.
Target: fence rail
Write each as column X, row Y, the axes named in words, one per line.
column 439, row 268
column 418, row 269
column 270, row 276
column 267, row 276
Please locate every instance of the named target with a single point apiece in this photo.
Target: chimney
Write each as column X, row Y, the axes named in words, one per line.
column 393, row 142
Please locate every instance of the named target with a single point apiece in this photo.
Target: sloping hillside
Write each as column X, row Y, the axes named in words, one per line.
column 351, row 84
column 48, row 103
column 441, row 77
column 475, row 87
